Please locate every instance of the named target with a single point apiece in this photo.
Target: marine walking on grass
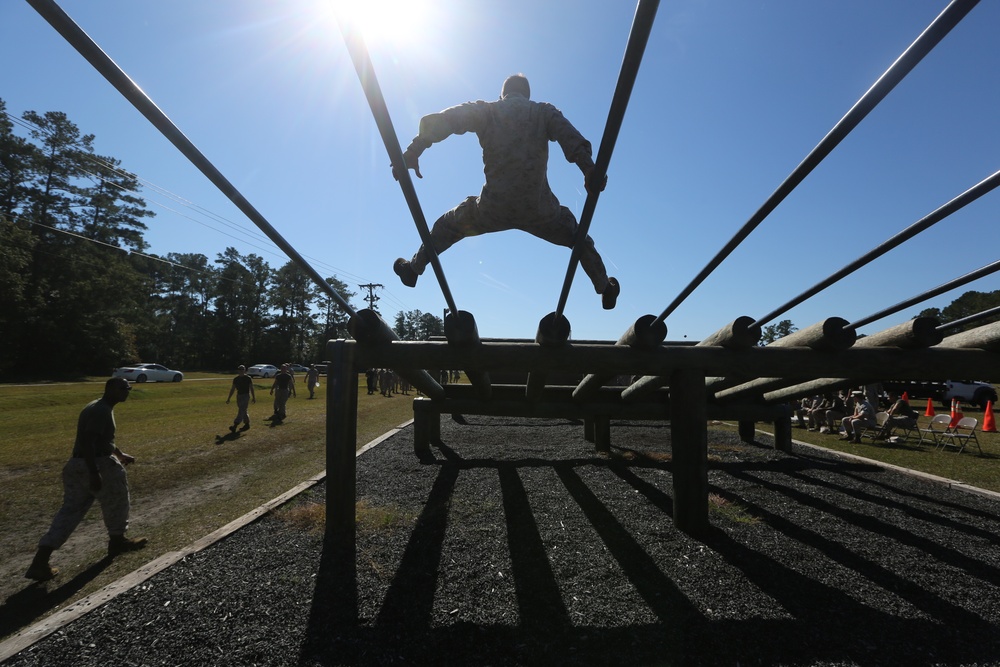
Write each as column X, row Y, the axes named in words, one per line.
column 514, row 133
column 312, row 380
column 243, row 386
column 282, row 387
column 96, row 471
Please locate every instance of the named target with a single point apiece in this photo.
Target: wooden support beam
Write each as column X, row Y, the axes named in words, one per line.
column 647, row 333
column 783, row 433
column 938, row 362
column 986, row 337
column 689, row 445
column 558, row 402
column 818, row 386
column 340, row 548
column 916, row 334
column 739, row 334
column 602, row 433
column 426, row 426
column 461, row 331
column 553, row 333
column 830, row 335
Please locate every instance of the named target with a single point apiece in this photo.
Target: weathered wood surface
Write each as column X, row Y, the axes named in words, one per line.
column 739, row 334
column 938, row 362
column 918, row 333
column 689, row 451
column 645, row 334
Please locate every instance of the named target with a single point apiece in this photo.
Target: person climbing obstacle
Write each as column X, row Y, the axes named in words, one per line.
column 514, row 133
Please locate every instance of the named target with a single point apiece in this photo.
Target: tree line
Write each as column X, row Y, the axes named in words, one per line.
column 79, row 294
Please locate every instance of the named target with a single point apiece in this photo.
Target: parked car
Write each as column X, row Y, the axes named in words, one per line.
column 147, row 373
column 971, row 392
column 262, row 371
column 298, row 368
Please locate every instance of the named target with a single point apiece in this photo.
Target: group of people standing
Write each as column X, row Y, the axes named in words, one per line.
column 282, row 388
column 386, row 381
column 849, row 414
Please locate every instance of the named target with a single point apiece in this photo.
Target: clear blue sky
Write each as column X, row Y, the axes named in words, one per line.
column 731, row 96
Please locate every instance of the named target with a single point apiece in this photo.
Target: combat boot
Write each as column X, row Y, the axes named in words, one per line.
column 405, row 272
column 609, row 297
column 40, row 570
column 119, row 544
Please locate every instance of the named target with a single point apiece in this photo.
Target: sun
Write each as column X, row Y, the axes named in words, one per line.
column 386, row 22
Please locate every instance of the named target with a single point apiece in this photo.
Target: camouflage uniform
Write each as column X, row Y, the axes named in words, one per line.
column 514, row 133
column 282, row 389
column 95, row 428
column 243, row 385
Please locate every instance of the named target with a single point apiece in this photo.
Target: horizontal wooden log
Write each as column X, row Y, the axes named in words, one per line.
column 645, row 334
column 614, row 410
column 646, row 384
column 815, row 387
column 986, row 337
column 831, row 334
column 915, row 334
column 918, row 333
column 739, row 334
column 803, row 363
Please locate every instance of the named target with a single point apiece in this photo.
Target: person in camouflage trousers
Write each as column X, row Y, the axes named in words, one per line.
column 514, row 133
column 96, row 471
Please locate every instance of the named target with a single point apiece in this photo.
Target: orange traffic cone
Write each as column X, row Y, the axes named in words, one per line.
column 906, row 396
column 930, row 408
column 989, row 424
column 955, row 414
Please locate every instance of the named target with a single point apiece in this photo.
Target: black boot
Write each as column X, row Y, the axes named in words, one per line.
column 119, row 544
column 40, row 570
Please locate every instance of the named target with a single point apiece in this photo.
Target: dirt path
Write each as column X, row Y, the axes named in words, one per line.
column 80, row 560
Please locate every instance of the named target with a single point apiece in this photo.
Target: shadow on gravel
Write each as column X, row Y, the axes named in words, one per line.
column 36, row 599
column 836, row 563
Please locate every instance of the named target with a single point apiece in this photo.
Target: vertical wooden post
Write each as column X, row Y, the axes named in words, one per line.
column 426, row 426
column 783, row 433
column 341, row 471
column 602, row 434
column 689, row 437
column 747, row 430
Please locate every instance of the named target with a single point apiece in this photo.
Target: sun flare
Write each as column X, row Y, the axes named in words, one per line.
column 386, row 22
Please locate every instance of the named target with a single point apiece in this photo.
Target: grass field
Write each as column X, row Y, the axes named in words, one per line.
column 186, row 482
column 969, row 467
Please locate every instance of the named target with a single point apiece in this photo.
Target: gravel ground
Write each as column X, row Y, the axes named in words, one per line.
column 517, row 545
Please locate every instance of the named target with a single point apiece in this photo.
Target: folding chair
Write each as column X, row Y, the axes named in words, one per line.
column 907, row 431
column 875, row 432
column 963, row 433
column 935, row 430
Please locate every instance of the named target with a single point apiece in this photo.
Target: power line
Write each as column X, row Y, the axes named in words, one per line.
column 251, row 233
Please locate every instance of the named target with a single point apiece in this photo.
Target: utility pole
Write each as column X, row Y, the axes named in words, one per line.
column 372, row 297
